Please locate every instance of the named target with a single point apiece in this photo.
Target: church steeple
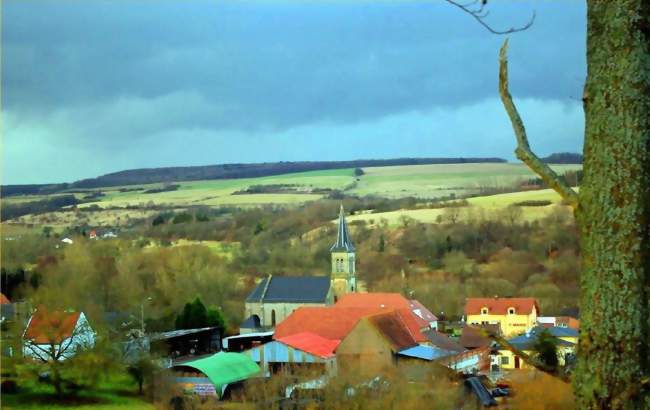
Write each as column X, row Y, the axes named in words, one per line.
column 343, row 279
column 343, row 241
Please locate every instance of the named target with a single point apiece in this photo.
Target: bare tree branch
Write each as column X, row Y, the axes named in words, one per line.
column 523, row 150
column 479, row 16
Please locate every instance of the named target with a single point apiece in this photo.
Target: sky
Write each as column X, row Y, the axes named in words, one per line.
column 91, row 87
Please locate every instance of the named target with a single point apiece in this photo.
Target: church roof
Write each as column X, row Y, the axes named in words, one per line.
column 343, row 240
column 291, row 289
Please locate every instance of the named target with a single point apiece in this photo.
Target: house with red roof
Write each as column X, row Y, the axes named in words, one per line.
column 383, row 300
column 306, row 351
column 514, row 316
column 376, row 340
column 332, row 322
column 56, row 335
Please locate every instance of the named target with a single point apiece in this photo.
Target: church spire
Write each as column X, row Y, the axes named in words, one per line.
column 343, row 241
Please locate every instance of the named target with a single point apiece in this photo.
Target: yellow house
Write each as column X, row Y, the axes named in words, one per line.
column 514, row 315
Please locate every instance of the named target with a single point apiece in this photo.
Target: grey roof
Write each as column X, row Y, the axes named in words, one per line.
column 298, row 289
column 561, row 331
column 252, row 322
column 527, row 341
column 343, row 240
column 177, row 333
column 442, row 341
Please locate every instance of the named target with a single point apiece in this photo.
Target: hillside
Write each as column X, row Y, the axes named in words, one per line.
column 225, row 171
column 119, row 205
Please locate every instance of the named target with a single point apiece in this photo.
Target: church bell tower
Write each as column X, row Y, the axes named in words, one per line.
column 344, row 277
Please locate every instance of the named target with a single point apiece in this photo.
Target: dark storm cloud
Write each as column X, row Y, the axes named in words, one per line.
column 278, row 65
column 159, row 83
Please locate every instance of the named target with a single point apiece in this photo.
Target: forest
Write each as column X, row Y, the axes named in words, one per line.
column 225, row 251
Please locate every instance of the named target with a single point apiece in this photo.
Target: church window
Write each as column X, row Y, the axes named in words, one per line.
column 273, row 317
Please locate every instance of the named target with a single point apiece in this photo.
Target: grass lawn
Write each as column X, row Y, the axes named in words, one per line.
column 117, row 395
column 9, row 229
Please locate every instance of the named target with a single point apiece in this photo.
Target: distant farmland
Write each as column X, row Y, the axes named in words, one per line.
column 422, row 181
column 482, row 206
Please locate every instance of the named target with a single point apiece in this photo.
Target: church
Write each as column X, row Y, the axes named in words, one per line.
column 276, row 297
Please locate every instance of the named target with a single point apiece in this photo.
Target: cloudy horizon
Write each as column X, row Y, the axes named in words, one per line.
column 96, row 87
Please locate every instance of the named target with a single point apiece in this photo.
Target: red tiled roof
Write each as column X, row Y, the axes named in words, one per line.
column 376, row 300
column 412, row 323
column 499, row 306
column 51, row 327
column 333, row 323
column 391, row 325
column 4, row 300
column 311, row 343
column 387, row 301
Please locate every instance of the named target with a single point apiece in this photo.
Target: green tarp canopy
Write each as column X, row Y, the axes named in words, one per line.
column 223, row 368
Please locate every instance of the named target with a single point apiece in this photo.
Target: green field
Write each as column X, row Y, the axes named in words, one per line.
column 488, row 205
column 434, row 181
column 220, row 192
column 422, row 181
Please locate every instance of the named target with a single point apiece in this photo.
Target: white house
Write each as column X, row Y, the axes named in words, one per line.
column 56, row 335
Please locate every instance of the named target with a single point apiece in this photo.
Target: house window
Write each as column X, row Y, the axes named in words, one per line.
column 511, row 311
column 484, row 311
column 505, row 360
column 273, row 317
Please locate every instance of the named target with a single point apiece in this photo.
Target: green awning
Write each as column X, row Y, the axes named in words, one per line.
column 223, row 368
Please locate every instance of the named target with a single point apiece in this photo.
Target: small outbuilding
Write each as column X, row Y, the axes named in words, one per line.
column 216, row 374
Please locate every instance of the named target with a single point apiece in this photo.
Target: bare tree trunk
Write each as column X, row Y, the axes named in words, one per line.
column 614, row 209
column 613, row 206
column 56, row 379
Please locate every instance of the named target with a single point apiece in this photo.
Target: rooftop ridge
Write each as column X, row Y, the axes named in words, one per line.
column 266, row 287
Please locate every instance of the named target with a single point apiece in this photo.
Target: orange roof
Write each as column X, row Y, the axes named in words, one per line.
column 394, row 329
column 311, row 343
column 377, row 300
column 4, row 300
column 499, row 306
column 51, row 327
column 412, row 323
column 385, row 301
column 333, row 323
